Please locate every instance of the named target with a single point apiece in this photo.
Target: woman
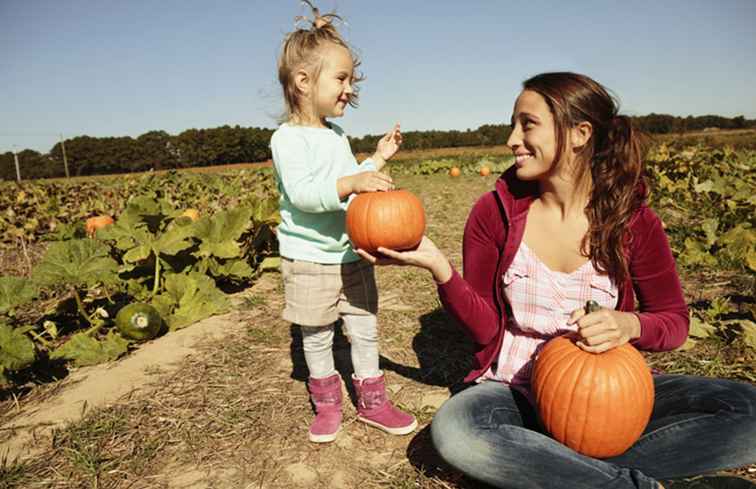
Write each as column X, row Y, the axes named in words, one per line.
column 568, row 223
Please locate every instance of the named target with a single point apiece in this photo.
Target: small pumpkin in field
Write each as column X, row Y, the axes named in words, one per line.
column 596, row 404
column 192, row 214
column 393, row 219
column 455, row 172
column 138, row 321
column 485, row 171
column 97, row 222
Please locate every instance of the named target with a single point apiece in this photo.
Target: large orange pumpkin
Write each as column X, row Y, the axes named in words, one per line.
column 485, row 171
column 393, row 219
column 455, row 172
column 596, row 404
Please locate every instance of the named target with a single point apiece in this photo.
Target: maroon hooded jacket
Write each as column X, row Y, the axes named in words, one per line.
column 492, row 235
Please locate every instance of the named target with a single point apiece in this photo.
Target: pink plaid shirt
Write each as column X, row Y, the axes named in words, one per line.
column 542, row 301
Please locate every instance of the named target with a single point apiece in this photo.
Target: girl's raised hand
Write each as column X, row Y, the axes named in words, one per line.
column 426, row 255
column 604, row 329
column 389, row 144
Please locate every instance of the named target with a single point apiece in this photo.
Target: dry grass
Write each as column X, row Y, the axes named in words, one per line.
column 236, row 415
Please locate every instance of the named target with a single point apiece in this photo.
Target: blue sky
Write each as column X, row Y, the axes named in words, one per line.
column 107, row 68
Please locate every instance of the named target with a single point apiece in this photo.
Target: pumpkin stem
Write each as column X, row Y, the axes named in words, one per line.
column 591, row 306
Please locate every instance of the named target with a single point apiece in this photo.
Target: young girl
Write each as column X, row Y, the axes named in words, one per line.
column 568, row 223
column 324, row 280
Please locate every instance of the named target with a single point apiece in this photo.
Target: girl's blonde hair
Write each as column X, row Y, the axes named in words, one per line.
column 301, row 50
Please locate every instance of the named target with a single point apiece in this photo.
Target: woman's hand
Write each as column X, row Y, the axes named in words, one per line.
column 604, row 329
column 388, row 145
column 426, row 255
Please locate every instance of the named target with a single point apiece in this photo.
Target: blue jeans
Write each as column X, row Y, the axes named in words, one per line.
column 490, row 432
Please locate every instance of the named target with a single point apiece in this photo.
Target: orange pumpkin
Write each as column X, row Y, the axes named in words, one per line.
column 485, row 171
column 596, row 404
column 393, row 219
column 97, row 222
column 455, row 172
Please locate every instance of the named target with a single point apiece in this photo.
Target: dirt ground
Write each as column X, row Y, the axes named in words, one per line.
column 223, row 404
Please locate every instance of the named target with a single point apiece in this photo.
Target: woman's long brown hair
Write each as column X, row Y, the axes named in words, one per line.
column 611, row 164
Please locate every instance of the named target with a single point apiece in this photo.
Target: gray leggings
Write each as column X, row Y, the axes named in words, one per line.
column 363, row 337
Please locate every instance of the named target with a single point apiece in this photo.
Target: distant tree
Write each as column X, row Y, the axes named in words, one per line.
column 154, row 152
column 7, row 166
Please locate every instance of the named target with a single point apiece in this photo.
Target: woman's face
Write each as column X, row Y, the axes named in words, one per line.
column 533, row 138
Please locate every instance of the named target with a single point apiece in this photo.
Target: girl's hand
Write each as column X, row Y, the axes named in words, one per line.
column 426, row 255
column 389, row 144
column 367, row 181
column 604, row 329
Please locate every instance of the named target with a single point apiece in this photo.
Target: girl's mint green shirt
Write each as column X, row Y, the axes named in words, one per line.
column 308, row 162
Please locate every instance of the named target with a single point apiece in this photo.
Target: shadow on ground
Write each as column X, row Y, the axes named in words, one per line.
column 423, row 456
column 443, row 351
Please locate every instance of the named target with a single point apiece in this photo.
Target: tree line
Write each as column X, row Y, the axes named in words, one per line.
column 158, row 150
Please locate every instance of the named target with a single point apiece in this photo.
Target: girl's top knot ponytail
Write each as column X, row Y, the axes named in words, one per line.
column 318, row 21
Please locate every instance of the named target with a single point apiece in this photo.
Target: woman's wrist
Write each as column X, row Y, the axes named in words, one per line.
column 442, row 271
column 632, row 325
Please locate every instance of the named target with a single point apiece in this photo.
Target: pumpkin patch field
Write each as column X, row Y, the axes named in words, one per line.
column 186, row 248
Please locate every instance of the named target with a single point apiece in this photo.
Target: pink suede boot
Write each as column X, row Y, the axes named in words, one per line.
column 374, row 408
column 326, row 396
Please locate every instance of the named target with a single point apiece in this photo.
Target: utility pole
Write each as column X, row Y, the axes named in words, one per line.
column 18, row 170
column 65, row 160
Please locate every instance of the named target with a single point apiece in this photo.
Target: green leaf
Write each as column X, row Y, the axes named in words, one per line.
column 188, row 299
column 705, row 186
column 85, row 350
column 138, row 253
column 219, row 235
column 739, row 242
column 700, row 329
column 16, row 349
column 77, row 262
column 271, row 263
column 749, row 332
column 174, row 240
column 232, row 269
column 718, row 307
column 696, row 254
column 689, row 344
column 15, row 291
column 122, row 231
column 751, row 259
column 709, row 227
